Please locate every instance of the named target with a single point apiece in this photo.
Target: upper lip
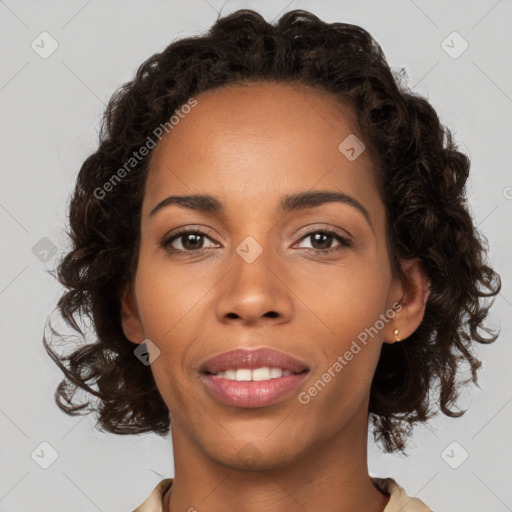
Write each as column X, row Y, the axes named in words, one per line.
column 252, row 358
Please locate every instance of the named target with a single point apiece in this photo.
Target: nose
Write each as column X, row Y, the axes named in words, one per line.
column 255, row 293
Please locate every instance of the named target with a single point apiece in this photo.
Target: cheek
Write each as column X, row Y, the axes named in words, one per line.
column 347, row 298
column 169, row 296
column 163, row 314
column 348, row 302
column 350, row 348
column 172, row 302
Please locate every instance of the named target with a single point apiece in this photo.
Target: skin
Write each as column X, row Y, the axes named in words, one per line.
column 249, row 146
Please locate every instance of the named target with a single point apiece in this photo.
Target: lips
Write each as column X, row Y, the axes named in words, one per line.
column 253, row 394
column 251, row 359
column 252, row 378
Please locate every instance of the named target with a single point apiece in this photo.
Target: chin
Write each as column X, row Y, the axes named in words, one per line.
column 257, row 455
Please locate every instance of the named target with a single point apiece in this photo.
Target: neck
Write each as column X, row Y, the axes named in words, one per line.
column 332, row 475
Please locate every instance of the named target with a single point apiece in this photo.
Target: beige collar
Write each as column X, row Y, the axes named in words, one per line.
column 399, row 501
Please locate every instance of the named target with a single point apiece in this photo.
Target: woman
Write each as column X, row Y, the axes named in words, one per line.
column 273, row 245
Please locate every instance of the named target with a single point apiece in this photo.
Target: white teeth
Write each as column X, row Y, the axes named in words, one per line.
column 275, row 372
column 230, row 374
column 257, row 374
column 261, row 373
column 243, row 374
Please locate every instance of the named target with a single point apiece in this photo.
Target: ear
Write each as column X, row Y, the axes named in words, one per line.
column 130, row 319
column 411, row 293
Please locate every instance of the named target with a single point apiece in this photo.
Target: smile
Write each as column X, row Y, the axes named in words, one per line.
column 257, row 374
column 253, row 393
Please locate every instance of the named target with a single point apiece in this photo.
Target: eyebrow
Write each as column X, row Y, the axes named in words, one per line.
column 294, row 202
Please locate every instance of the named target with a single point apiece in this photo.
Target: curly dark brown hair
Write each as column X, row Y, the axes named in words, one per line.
column 421, row 176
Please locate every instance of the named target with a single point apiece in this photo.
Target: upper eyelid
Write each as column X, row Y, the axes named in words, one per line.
column 332, row 229
column 207, row 234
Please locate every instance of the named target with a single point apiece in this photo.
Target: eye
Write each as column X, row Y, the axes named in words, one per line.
column 324, row 238
column 189, row 240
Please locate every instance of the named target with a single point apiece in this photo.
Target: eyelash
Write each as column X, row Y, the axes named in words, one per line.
column 345, row 242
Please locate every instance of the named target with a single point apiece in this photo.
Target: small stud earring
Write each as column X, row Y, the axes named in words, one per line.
column 396, row 335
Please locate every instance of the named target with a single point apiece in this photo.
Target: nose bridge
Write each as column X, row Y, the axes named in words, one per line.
column 253, row 287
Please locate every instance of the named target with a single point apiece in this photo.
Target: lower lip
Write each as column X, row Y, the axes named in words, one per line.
column 252, row 393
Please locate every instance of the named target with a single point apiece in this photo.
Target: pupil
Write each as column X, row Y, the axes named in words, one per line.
column 193, row 245
column 327, row 239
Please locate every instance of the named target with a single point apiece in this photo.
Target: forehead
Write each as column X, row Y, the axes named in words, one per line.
column 259, row 140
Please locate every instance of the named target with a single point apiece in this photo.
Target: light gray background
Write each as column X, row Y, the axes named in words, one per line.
column 50, row 111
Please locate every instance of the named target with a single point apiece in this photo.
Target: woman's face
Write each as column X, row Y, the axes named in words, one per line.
column 263, row 276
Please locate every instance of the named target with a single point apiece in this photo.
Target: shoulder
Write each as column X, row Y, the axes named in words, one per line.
column 153, row 502
column 398, row 498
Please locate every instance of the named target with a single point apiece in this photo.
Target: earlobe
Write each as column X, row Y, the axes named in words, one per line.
column 130, row 319
column 415, row 289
